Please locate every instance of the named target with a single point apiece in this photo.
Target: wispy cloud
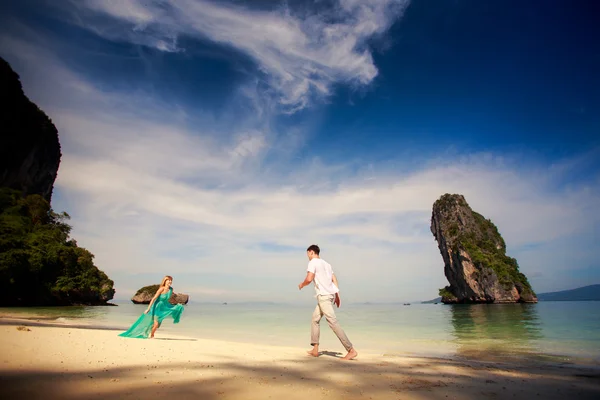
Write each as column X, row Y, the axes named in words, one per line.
column 301, row 54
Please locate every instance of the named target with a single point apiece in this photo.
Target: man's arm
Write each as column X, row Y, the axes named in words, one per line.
column 337, row 295
column 309, row 278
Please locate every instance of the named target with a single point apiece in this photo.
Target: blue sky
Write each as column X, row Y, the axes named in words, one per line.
column 216, row 140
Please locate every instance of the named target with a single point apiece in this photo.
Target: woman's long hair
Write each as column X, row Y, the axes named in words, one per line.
column 162, row 284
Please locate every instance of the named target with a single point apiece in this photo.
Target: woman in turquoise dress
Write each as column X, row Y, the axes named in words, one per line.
column 158, row 309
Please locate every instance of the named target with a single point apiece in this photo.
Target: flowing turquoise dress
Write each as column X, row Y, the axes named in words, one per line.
column 161, row 309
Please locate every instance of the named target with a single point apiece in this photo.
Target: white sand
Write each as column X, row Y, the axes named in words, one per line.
column 69, row 363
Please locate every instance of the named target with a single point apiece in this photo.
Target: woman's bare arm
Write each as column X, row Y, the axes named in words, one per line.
column 158, row 293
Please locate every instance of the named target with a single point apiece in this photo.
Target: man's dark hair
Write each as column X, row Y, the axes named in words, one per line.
column 315, row 248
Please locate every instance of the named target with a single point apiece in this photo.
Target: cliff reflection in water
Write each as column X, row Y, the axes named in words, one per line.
column 497, row 331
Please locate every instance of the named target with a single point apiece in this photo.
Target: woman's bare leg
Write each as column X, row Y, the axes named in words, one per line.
column 154, row 328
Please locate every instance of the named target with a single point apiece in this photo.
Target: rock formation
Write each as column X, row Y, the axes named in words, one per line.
column 40, row 264
column 475, row 260
column 145, row 294
column 29, row 146
column 179, row 298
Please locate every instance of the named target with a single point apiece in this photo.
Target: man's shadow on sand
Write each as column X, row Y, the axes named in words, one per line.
column 335, row 354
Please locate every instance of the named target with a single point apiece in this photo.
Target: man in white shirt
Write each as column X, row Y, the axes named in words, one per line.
column 320, row 272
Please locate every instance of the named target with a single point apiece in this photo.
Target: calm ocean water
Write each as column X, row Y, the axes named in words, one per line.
column 555, row 331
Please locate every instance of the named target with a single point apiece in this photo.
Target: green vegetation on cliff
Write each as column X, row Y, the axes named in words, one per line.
column 483, row 251
column 445, row 292
column 480, row 238
column 39, row 263
column 151, row 290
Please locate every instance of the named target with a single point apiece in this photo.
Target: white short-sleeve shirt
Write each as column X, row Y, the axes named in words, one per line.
column 323, row 276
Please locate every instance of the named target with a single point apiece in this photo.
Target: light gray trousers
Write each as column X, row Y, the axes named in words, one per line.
column 325, row 308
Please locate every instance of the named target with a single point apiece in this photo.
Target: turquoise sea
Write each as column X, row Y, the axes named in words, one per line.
column 562, row 332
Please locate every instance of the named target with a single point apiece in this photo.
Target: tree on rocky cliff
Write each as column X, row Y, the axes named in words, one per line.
column 474, row 254
column 39, row 263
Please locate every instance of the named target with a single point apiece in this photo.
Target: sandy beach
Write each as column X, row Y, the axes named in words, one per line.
column 47, row 362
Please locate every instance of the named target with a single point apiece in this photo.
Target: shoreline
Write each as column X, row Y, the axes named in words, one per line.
column 78, row 363
column 534, row 358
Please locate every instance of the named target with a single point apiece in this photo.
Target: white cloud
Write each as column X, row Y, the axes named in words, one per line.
column 139, row 211
column 132, row 11
column 300, row 55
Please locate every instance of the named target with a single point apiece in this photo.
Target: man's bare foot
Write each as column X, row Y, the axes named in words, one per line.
column 313, row 353
column 351, row 355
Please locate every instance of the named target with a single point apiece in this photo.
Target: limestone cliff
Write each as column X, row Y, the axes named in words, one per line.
column 145, row 294
column 29, row 146
column 474, row 254
column 40, row 263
